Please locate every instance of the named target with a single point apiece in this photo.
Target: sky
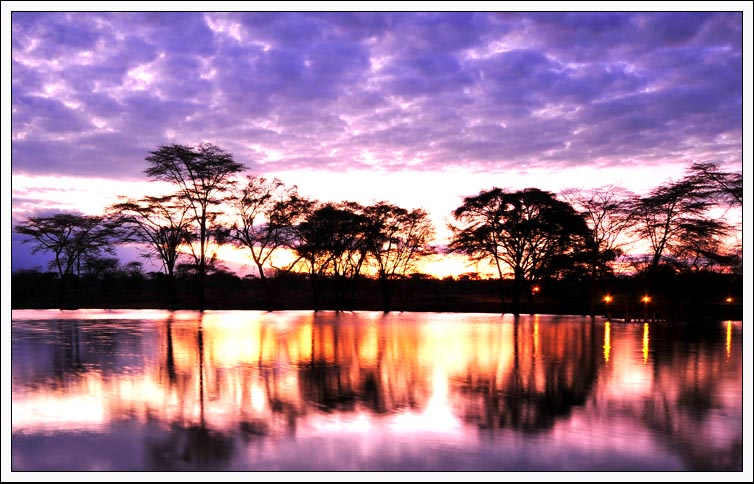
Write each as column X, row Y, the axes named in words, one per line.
column 420, row 108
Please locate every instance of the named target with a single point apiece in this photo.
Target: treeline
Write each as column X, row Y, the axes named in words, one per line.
column 562, row 252
column 686, row 296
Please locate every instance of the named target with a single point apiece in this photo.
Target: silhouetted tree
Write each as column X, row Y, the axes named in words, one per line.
column 162, row 224
column 673, row 218
column 96, row 267
column 608, row 216
column 134, row 269
column 398, row 239
column 71, row 238
column 203, row 175
column 726, row 187
column 702, row 248
column 332, row 241
column 266, row 212
column 526, row 230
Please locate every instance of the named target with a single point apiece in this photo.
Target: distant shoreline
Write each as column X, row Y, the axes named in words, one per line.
column 690, row 297
column 728, row 313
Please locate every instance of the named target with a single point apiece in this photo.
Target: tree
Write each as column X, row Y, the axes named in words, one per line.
column 203, row 175
column 71, row 238
column 727, row 190
column 98, row 268
column 703, row 248
column 673, row 218
column 332, row 241
column 526, row 230
column 266, row 212
column 162, row 224
column 398, row 238
column 713, row 183
column 607, row 213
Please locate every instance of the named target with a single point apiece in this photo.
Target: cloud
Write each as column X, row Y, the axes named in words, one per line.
column 94, row 92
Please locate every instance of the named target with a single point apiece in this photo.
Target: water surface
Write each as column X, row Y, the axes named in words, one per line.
column 301, row 391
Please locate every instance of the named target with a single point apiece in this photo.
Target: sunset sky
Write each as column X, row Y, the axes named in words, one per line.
column 420, row 109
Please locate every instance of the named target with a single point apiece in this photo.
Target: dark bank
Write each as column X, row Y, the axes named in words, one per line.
column 685, row 297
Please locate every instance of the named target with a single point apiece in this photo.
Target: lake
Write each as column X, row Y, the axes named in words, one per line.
column 99, row 390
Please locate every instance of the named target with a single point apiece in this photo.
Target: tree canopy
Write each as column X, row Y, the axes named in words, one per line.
column 526, row 230
column 203, row 175
column 530, row 234
column 72, row 239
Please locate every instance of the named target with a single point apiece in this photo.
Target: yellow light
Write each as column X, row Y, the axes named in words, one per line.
column 646, row 299
column 728, row 337
column 606, row 346
column 535, row 289
column 645, row 342
column 729, row 299
column 608, row 299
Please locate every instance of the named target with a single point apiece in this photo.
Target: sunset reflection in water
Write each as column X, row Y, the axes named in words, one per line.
column 367, row 391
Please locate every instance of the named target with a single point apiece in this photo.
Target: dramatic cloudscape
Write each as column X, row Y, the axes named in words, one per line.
column 420, row 109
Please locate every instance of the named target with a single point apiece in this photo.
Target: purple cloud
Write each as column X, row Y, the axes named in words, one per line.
column 93, row 93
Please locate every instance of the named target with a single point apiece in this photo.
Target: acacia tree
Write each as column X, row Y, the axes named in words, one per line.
column 703, row 248
column 310, row 244
column 71, row 238
column 713, row 183
column 673, row 216
column 607, row 213
column 333, row 241
column 398, row 239
column 727, row 190
column 162, row 224
column 526, row 230
column 203, row 175
column 266, row 212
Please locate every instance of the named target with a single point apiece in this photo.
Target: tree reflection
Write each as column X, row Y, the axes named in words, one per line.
column 78, row 348
column 169, row 355
column 537, row 392
column 688, row 380
column 218, row 382
column 194, row 446
column 67, row 354
column 325, row 381
column 347, row 374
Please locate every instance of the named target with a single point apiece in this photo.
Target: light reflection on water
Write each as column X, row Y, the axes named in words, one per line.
column 303, row 391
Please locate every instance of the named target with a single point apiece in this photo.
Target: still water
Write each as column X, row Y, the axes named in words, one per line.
column 302, row 391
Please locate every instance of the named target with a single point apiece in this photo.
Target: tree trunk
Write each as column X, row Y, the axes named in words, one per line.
column 386, row 293
column 61, row 292
column 517, row 283
column 501, row 288
column 202, row 261
column 172, row 292
column 315, row 291
column 269, row 304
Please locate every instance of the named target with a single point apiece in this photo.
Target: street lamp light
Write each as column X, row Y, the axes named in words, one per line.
column 646, row 300
column 608, row 299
